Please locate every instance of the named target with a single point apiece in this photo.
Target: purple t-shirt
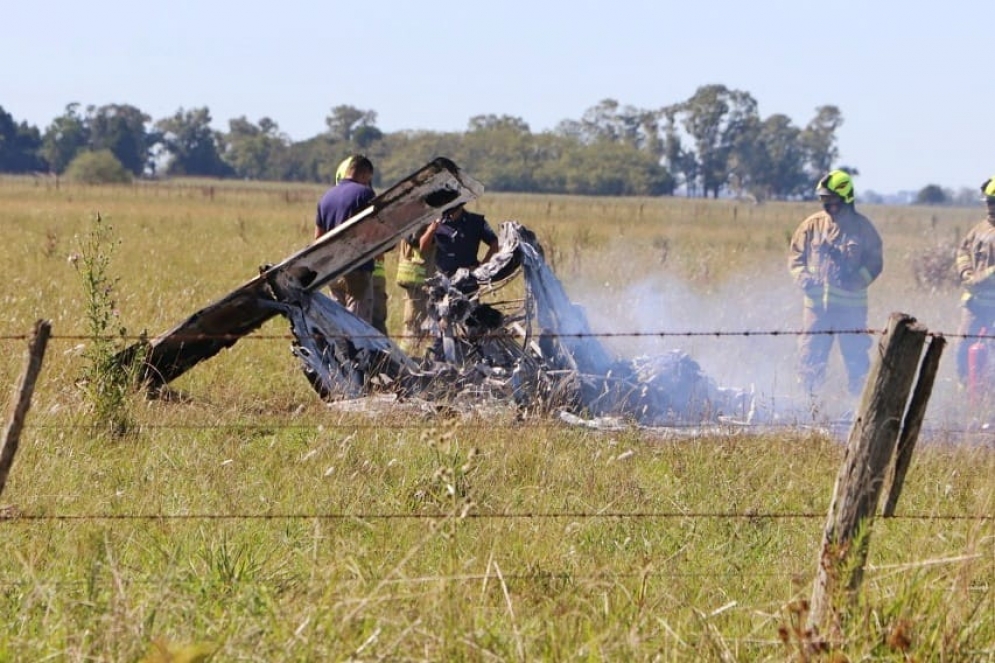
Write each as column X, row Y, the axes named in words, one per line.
column 457, row 242
column 340, row 203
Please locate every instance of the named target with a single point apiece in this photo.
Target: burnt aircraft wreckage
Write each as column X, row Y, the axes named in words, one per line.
column 536, row 352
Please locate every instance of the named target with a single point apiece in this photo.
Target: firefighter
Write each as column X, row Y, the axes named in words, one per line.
column 413, row 267
column 976, row 267
column 447, row 244
column 348, row 196
column 835, row 254
column 378, row 280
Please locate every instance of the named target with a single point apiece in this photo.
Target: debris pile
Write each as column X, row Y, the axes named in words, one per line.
column 537, row 352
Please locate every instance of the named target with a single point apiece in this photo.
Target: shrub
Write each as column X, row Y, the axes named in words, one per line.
column 100, row 167
column 933, row 267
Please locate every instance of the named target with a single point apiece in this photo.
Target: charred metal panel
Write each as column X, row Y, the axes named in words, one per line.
column 396, row 212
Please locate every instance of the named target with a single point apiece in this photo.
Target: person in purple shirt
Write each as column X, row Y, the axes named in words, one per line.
column 456, row 237
column 353, row 193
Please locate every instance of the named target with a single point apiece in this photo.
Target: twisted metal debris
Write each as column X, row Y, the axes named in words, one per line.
column 538, row 353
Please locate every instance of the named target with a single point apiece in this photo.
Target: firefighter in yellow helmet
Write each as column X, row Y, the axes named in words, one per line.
column 413, row 267
column 378, row 311
column 976, row 268
column 835, row 254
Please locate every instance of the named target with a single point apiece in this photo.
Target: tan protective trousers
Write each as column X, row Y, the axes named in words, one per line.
column 820, row 323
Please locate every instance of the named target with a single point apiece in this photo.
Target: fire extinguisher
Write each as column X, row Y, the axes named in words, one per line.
column 977, row 369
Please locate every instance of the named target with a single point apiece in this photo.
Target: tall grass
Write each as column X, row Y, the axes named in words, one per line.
column 245, row 515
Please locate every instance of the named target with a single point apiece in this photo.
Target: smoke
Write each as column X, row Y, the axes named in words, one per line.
column 739, row 332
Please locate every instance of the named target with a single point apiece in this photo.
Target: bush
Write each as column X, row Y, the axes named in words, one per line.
column 933, row 267
column 100, row 167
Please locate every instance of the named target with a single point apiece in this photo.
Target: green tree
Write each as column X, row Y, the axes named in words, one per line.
column 818, row 139
column 778, row 170
column 20, row 146
column 715, row 117
column 100, row 167
column 312, row 160
column 349, row 124
column 255, row 151
column 406, row 151
column 193, row 148
column 66, row 137
column 932, row 194
column 603, row 169
column 121, row 129
column 499, row 150
column 680, row 159
column 747, row 160
column 610, row 121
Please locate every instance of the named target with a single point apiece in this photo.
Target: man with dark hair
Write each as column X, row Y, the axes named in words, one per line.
column 450, row 242
column 456, row 237
column 349, row 195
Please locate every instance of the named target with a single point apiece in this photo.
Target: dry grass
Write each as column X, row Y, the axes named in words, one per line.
column 252, row 518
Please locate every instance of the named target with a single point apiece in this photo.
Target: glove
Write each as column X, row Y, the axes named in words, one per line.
column 807, row 281
column 974, row 279
column 852, row 281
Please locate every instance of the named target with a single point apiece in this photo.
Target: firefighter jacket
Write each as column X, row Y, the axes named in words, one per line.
column 380, row 268
column 833, row 260
column 412, row 266
column 976, row 264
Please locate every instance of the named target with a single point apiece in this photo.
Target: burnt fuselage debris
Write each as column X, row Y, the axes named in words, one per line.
column 423, row 195
column 532, row 349
column 536, row 351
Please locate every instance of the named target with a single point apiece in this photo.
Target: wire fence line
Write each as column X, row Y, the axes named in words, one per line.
column 751, row 515
column 624, row 334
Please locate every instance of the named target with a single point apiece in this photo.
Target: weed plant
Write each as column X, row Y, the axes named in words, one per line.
column 106, row 381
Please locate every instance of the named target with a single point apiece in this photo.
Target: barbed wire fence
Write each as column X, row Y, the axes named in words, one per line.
column 469, row 425
column 13, row 517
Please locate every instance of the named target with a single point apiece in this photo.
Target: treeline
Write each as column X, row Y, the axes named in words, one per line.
column 712, row 144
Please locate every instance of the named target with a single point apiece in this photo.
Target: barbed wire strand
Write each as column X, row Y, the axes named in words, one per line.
column 746, row 333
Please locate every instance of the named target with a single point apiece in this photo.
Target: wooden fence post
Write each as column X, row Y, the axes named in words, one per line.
column 870, row 448
column 22, row 401
column 913, row 422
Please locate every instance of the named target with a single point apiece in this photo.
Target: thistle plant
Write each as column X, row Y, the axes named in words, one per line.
column 105, row 380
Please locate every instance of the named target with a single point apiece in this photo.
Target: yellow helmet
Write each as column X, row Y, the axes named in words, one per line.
column 988, row 189
column 343, row 168
column 836, row 183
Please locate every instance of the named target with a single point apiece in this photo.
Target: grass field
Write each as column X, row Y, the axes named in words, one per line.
column 250, row 520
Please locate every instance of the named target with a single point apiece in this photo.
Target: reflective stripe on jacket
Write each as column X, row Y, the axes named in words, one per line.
column 412, row 267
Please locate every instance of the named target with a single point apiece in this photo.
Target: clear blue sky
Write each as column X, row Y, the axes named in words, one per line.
column 913, row 79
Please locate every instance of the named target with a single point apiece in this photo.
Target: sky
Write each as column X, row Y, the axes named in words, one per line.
column 912, row 80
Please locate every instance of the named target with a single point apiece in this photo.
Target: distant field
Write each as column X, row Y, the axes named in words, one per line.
column 253, row 517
